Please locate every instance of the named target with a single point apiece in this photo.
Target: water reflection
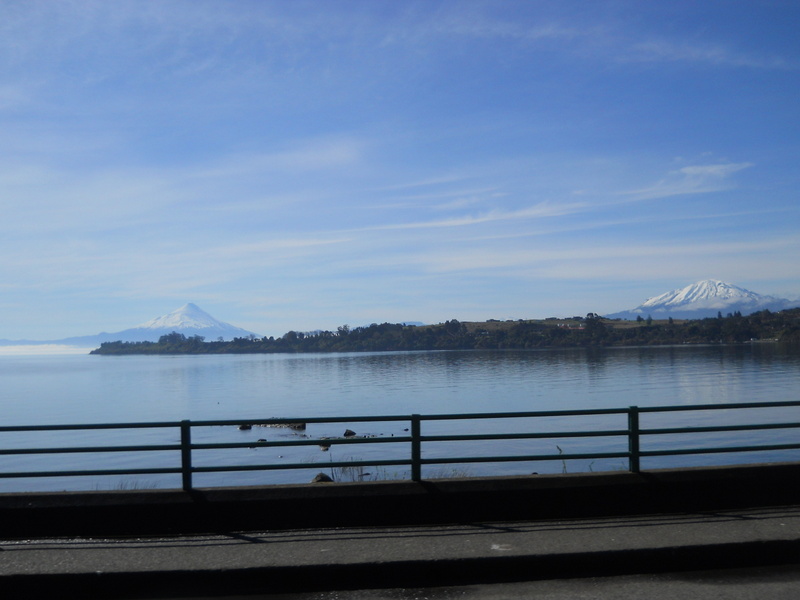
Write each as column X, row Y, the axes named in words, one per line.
column 90, row 389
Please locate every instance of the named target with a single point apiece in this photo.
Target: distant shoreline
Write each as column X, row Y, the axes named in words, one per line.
column 591, row 331
column 42, row 349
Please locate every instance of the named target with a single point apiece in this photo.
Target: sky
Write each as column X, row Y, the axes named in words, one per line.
column 291, row 165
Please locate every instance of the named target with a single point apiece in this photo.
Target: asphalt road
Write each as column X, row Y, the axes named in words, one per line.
column 627, row 557
column 773, row 583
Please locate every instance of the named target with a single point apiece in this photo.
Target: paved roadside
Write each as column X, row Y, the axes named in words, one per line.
column 410, row 556
column 775, row 583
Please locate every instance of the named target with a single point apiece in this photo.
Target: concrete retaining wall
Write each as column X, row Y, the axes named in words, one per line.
column 136, row 512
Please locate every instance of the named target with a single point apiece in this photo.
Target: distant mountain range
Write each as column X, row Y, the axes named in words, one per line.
column 189, row 320
column 697, row 301
column 705, row 299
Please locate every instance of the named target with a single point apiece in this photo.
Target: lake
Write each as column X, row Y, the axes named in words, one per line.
column 61, row 389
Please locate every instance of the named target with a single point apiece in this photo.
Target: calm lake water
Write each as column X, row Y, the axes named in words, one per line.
column 105, row 389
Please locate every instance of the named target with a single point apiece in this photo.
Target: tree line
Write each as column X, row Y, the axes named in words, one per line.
column 591, row 331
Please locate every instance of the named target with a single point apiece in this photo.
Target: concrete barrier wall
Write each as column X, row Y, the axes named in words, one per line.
column 137, row 512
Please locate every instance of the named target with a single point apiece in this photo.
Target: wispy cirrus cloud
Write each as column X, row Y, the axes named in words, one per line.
column 613, row 40
column 592, row 260
column 664, row 50
column 542, row 210
column 483, row 26
column 697, row 179
column 301, row 156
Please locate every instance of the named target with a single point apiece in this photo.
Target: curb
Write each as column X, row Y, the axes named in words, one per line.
column 406, row 574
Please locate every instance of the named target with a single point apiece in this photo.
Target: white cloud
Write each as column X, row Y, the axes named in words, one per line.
column 713, row 171
column 485, row 27
column 308, row 155
column 705, row 53
column 428, row 182
column 699, row 179
column 542, row 210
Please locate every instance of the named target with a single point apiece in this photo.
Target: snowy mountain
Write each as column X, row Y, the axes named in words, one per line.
column 189, row 320
column 705, row 299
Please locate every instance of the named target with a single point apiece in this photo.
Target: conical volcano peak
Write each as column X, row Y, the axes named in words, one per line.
column 187, row 316
column 708, row 290
column 189, row 320
column 706, row 298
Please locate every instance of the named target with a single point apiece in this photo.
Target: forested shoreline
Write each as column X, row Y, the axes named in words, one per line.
column 589, row 331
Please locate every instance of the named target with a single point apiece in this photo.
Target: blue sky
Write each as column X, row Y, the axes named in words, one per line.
column 303, row 165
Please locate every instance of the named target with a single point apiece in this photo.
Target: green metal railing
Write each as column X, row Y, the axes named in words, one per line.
column 626, row 428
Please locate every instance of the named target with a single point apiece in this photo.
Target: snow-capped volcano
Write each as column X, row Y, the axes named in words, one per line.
column 704, row 299
column 709, row 293
column 188, row 316
column 189, row 320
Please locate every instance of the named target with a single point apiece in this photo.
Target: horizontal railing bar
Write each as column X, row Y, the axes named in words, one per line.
column 435, row 417
column 719, row 428
column 288, row 421
column 262, row 422
column 76, row 449
column 522, row 436
column 524, row 458
column 309, row 442
column 526, row 415
column 86, row 473
column 295, row 466
column 738, row 405
column 88, row 426
column 719, row 450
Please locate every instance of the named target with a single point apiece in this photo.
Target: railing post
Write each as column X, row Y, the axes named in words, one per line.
column 633, row 439
column 416, row 449
column 186, row 454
